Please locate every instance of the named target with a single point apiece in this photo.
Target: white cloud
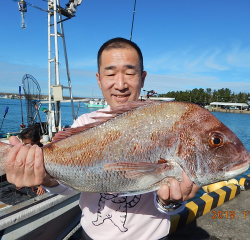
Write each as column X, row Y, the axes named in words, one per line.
column 195, row 60
column 211, row 61
column 239, row 57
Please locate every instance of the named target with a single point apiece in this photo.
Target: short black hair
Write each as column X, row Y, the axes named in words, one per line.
column 116, row 43
column 32, row 132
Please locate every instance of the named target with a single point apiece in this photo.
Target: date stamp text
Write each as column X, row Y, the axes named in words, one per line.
column 229, row 214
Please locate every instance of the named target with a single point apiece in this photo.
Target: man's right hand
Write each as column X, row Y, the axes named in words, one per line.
column 24, row 166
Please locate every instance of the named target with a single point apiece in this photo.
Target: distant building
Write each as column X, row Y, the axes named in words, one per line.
column 229, row 105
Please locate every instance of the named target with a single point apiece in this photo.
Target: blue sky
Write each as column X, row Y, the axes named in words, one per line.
column 186, row 43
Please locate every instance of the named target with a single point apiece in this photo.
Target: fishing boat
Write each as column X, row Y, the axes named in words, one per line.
column 96, row 104
column 4, row 96
column 49, row 216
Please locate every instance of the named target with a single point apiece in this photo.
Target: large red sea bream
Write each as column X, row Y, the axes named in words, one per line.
column 141, row 146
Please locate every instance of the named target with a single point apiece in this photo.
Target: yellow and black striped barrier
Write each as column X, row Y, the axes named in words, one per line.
column 203, row 205
column 209, row 201
column 245, row 182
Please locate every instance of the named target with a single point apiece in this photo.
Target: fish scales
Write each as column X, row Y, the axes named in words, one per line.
column 139, row 150
column 124, row 139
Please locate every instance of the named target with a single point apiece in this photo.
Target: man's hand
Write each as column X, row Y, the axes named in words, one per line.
column 24, row 166
column 177, row 192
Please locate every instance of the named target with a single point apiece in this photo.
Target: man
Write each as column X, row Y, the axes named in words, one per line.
column 107, row 216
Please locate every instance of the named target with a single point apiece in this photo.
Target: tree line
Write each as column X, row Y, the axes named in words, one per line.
column 205, row 97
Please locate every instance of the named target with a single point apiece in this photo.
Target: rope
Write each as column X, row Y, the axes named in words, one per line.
column 132, row 22
column 37, row 7
column 72, row 232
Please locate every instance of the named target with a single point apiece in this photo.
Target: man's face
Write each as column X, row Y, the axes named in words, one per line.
column 120, row 77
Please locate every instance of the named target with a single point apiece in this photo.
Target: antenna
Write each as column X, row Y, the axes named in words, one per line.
column 6, row 111
column 23, row 9
column 132, row 22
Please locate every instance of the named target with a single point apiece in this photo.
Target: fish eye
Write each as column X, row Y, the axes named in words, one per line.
column 215, row 140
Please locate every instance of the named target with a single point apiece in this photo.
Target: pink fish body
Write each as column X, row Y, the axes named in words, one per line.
column 140, row 147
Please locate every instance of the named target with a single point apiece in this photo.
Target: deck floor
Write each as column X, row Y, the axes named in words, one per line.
column 227, row 227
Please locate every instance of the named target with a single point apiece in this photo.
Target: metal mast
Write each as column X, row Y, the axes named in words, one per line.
column 55, row 13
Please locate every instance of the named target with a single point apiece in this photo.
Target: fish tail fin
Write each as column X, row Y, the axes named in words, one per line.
column 4, row 150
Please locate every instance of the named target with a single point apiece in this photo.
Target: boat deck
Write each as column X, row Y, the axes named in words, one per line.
column 5, row 140
column 10, row 195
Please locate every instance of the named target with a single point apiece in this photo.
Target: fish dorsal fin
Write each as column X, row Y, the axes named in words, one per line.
column 72, row 131
column 119, row 110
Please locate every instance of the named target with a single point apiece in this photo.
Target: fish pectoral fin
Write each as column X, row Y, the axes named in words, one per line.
column 129, row 166
column 138, row 170
column 135, row 174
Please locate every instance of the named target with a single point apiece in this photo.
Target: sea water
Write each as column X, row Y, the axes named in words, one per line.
column 237, row 122
column 13, row 119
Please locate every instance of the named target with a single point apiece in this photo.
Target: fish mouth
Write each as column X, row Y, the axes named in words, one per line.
column 236, row 172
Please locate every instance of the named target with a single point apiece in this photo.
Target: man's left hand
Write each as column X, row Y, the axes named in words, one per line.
column 177, row 192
